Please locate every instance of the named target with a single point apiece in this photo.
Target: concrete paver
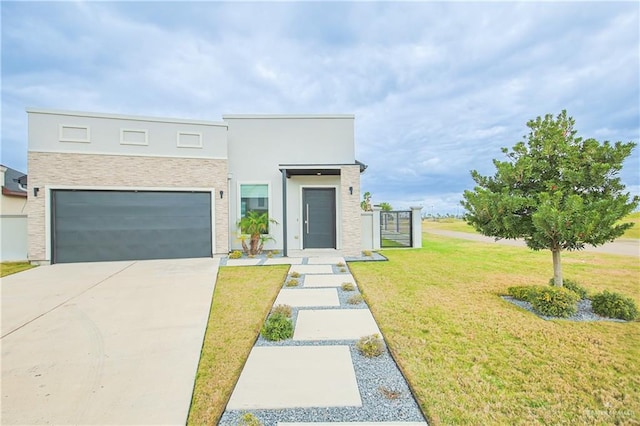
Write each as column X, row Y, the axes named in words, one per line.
column 312, row 269
column 328, row 260
column 243, row 262
column 283, row 261
column 308, row 297
column 296, row 376
column 124, row 351
column 334, row 324
column 322, row 280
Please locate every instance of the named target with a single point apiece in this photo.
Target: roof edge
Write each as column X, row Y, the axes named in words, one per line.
column 125, row 117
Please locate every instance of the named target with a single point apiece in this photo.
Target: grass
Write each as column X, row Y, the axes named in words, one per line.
column 473, row 358
column 457, row 225
column 634, row 231
column 8, row 268
column 242, row 299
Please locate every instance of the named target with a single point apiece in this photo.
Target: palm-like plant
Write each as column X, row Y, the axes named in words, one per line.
column 255, row 224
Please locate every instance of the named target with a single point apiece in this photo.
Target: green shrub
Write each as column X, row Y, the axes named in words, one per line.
column 343, row 269
column 555, row 302
column 366, row 253
column 348, row 286
column 292, row 282
column 370, row 346
column 283, row 310
column 341, row 264
column 236, row 254
column 249, row 419
column 525, row 293
column 574, row 287
column 277, row 327
column 356, row 299
column 614, row 305
column 295, row 274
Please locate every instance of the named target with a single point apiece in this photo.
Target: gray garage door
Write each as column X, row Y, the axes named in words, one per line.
column 93, row 226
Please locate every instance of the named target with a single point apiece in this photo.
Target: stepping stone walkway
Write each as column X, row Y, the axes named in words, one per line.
column 318, row 377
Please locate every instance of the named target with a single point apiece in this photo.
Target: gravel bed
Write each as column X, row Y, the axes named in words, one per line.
column 384, row 393
column 584, row 313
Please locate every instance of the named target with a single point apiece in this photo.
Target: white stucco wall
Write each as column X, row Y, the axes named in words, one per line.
column 13, row 237
column 13, row 226
column 258, row 144
column 125, row 135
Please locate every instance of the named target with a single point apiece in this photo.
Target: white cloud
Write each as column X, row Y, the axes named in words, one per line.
column 437, row 88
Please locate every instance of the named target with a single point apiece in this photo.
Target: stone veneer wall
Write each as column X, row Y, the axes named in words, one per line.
column 90, row 170
column 351, row 222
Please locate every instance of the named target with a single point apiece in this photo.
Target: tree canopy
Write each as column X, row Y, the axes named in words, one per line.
column 556, row 190
column 385, row 207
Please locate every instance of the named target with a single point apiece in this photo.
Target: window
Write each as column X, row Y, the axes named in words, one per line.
column 254, row 198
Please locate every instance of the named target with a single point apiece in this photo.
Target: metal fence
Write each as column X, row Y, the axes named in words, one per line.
column 396, row 229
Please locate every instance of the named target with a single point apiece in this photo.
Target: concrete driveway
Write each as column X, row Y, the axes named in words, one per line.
column 103, row 343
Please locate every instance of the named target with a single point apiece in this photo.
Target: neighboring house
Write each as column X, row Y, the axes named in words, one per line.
column 113, row 187
column 13, row 215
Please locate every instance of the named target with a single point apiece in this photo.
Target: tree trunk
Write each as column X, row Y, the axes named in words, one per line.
column 557, row 267
column 255, row 238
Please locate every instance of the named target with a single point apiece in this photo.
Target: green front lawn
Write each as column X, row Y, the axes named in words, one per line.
column 8, row 268
column 473, row 358
column 242, row 299
column 448, row 224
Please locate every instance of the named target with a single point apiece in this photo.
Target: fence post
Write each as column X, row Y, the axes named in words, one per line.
column 416, row 226
column 377, row 240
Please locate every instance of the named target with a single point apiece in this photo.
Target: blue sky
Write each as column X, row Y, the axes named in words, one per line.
column 437, row 87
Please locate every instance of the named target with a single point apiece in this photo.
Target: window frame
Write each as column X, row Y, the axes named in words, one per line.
column 269, row 203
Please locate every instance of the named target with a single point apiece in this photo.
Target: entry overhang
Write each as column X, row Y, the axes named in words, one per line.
column 317, row 169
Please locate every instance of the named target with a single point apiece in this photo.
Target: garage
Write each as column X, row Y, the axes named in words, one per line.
column 90, row 226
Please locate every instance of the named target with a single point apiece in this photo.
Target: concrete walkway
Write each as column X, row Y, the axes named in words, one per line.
column 622, row 246
column 312, row 376
column 108, row 343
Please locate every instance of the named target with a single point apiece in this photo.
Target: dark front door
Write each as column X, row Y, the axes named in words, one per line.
column 90, row 226
column 319, row 217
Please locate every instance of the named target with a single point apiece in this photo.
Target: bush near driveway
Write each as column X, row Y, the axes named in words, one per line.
column 473, row 359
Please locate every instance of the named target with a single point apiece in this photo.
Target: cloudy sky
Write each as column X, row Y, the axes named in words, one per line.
column 437, row 87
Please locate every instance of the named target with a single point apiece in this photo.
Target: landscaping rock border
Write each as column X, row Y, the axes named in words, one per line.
column 584, row 313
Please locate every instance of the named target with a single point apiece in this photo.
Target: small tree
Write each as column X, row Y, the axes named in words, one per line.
column 365, row 204
column 256, row 225
column 556, row 190
column 386, row 207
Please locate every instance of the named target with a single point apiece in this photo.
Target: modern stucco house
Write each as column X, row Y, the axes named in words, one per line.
column 115, row 187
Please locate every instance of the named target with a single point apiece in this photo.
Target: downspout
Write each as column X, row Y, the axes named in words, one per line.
column 284, row 213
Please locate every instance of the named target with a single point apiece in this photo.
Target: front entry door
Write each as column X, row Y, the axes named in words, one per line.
column 319, row 218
